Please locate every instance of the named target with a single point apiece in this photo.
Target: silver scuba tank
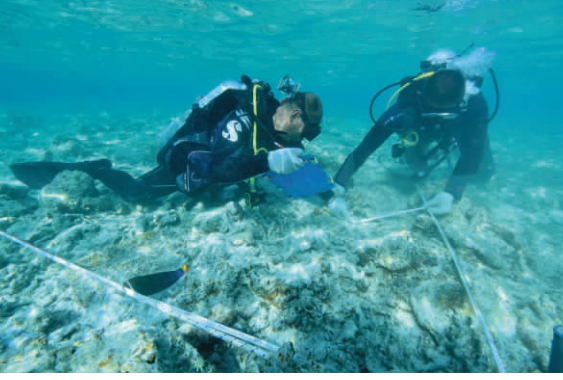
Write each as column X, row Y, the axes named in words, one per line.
column 169, row 131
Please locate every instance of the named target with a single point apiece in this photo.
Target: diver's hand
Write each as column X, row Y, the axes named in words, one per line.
column 286, row 160
column 337, row 205
column 441, row 204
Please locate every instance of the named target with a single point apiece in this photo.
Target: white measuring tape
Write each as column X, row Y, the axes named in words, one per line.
column 392, row 214
column 476, row 309
column 247, row 342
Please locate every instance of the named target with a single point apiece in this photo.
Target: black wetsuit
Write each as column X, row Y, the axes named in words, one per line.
column 215, row 149
column 221, row 155
column 468, row 130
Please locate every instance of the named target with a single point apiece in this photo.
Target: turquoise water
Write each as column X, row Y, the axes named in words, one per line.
column 92, row 79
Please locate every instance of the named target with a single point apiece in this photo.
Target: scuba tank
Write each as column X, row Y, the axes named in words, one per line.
column 183, row 125
column 166, row 134
column 209, row 110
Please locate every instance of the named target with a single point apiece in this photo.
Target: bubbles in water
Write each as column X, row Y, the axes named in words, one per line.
column 475, row 63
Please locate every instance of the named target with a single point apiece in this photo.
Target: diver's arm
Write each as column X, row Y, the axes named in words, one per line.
column 221, row 169
column 471, row 142
column 392, row 120
column 225, row 162
column 373, row 140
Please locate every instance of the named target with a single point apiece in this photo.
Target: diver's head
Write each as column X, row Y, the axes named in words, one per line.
column 445, row 89
column 299, row 117
column 472, row 66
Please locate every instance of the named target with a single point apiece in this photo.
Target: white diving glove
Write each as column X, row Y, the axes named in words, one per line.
column 286, row 160
column 337, row 204
column 441, row 204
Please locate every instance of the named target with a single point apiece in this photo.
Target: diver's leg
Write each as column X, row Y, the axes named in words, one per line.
column 157, row 183
column 38, row 174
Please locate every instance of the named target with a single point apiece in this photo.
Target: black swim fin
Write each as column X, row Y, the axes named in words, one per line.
column 38, row 174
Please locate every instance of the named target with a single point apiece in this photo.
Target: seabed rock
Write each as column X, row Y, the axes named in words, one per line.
column 74, row 192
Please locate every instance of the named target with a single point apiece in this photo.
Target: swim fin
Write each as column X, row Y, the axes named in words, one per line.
column 38, row 174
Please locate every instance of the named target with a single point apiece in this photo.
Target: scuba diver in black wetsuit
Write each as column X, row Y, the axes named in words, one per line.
column 440, row 109
column 237, row 131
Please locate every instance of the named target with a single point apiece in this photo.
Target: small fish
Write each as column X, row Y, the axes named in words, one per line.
column 156, row 282
column 429, row 8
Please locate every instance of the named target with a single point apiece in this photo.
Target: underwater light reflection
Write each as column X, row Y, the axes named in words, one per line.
column 60, row 197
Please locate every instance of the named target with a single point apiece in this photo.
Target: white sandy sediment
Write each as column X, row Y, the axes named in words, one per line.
column 376, row 296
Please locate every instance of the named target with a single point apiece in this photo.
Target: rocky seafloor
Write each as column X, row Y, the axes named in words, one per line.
column 350, row 296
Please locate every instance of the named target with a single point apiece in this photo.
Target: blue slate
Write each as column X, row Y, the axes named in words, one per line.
column 311, row 179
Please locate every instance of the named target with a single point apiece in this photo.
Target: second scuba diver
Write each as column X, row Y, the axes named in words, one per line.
column 440, row 109
column 237, row 131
